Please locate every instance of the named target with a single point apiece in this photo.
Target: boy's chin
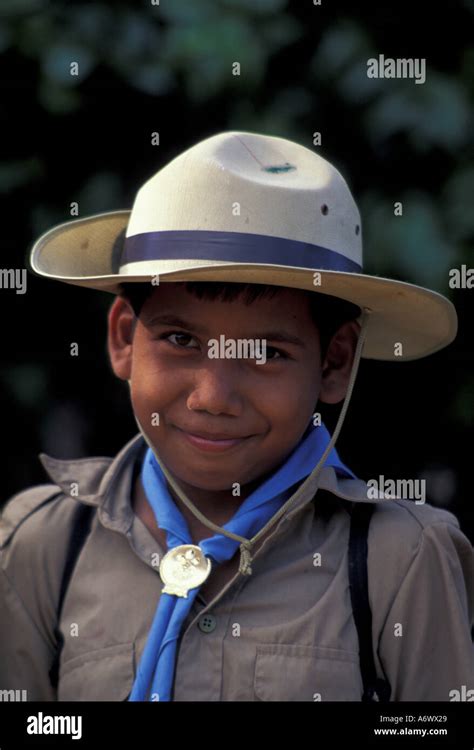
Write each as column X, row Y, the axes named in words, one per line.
column 198, row 481
column 206, row 480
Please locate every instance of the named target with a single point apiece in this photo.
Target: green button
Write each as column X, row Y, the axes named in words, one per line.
column 207, row 623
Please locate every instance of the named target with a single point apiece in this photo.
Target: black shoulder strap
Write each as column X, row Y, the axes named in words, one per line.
column 83, row 515
column 375, row 688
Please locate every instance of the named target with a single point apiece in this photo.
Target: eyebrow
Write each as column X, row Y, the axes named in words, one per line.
column 174, row 320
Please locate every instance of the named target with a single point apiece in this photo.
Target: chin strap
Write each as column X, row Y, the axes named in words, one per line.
column 246, row 544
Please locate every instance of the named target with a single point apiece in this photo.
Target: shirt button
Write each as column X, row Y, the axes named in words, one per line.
column 207, row 623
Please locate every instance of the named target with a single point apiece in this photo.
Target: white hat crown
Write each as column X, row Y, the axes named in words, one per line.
column 255, row 185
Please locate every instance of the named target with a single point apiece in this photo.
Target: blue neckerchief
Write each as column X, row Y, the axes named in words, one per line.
column 155, row 672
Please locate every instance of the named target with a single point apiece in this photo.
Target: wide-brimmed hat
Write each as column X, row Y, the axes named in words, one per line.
column 247, row 207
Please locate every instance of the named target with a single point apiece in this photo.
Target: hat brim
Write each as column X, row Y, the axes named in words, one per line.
column 86, row 252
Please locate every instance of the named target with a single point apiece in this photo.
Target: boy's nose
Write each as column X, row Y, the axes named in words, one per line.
column 216, row 389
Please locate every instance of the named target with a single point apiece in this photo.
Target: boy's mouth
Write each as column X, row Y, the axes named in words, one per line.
column 212, row 442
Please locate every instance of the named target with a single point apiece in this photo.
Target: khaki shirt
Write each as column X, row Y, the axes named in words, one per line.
column 286, row 632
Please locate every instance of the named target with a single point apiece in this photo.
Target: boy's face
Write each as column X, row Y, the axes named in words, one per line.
column 266, row 406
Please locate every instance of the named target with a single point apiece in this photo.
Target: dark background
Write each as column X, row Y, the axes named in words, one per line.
column 167, row 68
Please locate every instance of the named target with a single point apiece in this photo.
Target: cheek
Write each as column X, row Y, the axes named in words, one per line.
column 289, row 407
column 298, row 394
column 154, row 384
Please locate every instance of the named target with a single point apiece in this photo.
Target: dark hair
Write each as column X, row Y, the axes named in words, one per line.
column 328, row 313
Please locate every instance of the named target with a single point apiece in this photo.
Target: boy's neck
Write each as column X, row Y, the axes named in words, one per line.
column 218, row 507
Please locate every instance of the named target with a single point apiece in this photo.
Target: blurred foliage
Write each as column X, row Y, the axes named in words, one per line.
column 167, row 67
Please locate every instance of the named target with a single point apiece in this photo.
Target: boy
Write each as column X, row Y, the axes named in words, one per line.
column 216, row 561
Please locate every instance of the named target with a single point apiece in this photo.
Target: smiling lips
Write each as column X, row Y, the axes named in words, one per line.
column 210, row 442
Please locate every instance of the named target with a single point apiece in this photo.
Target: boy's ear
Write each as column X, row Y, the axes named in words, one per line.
column 121, row 324
column 337, row 365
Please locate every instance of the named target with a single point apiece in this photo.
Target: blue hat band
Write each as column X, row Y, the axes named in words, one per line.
column 233, row 247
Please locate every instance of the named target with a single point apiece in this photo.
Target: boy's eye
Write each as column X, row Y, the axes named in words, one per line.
column 269, row 349
column 181, row 335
